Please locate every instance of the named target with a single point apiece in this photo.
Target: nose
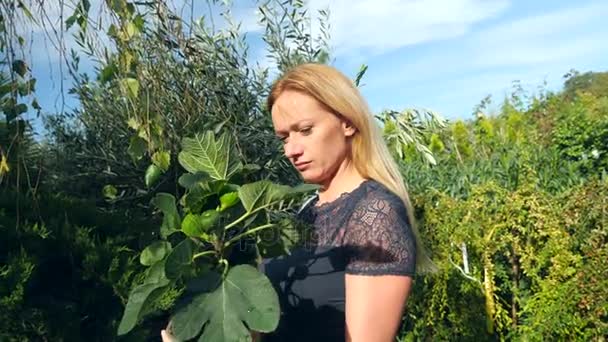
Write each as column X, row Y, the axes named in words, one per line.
column 293, row 149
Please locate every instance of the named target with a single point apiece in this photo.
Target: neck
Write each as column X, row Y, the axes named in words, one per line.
column 345, row 179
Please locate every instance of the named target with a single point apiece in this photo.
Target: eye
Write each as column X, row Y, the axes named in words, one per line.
column 282, row 139
column 306, row 130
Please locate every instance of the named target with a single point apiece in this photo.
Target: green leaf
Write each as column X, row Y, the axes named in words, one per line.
column 153, row 172
column 28, row 87
column 198, row 225
column 86, row 5
column 113, row 31
column 195, row 199
column 20, row 67
column 282, row 238
column 253, row 195
column 162, row 159
column 131, row 86
column 190, row 180
column 109, row 192
column 171, row 220
column 108, row 72
column 360, row 74
column 137, row 148
column 137, row 299
column 26, row 11
column 264, row 193
column 155, row 273
column 12, row 110
column 228, row 200
column 244, row 301
column 154, row 252
column 131, row 30
column 191, row 225
column 179, row 259
column 208, row 219
column 71, row 20
column 216, row 158
column 249, row 168
column 36, row 105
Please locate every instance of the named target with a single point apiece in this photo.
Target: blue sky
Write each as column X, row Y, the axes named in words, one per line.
column 442, row 55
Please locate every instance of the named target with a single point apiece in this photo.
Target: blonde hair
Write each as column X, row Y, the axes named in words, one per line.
column 370, row 153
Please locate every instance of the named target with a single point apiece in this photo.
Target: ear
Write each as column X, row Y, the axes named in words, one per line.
column 348, row 128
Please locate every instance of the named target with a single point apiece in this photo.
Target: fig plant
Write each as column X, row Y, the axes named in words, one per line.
column 219, row 216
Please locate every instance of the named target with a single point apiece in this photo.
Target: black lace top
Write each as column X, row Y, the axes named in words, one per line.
column 363, row 232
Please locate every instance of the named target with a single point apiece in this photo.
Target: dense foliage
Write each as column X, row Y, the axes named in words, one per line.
column 513, row 204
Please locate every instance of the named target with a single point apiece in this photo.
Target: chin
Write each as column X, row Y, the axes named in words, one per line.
column 311, row 177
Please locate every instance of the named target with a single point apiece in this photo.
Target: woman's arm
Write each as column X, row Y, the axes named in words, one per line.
column 374, row 306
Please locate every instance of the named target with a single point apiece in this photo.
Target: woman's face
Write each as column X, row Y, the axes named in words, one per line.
column 316, row 141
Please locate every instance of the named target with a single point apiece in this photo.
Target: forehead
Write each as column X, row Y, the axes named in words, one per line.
column 293, row 107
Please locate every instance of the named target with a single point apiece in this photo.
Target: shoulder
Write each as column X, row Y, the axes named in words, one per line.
column 377, row 199
column 379, row 236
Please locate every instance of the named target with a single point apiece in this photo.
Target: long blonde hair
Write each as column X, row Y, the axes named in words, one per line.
column 370, row 153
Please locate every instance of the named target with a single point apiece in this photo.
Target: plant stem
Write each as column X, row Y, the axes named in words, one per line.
column 225, row 263
column 198, row 255
column 244, row 217
column 251, row 231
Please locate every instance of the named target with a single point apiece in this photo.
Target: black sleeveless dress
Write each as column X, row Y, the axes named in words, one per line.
column 363, row 232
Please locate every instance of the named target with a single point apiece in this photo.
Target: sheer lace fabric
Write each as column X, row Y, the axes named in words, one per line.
column 371, row 225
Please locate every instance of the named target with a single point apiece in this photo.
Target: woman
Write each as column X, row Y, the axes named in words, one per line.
column 352, row 280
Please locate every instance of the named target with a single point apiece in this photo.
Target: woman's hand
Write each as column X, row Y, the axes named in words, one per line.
column 167, row 337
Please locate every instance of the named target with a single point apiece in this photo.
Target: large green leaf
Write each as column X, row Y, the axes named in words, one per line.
column 282, row 238
column 216, row 158
column 137, row 299
column 171, row 220
column 265, row 193
column 155, row 273
column 190, row 180
column 244, row 297
column 197, row 225
column 179, row 258
column 154, row 252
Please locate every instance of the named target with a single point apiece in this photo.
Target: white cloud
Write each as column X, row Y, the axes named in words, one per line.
column 550, row 37
column 543, row 25
column 561, row 37
column 378, row 26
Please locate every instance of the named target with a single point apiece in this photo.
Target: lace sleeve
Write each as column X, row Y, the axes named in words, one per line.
column 379, row 237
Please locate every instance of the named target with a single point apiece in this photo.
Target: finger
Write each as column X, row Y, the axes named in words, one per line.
column 166, row 336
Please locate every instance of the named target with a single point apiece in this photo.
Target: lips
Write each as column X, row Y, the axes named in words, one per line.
column 301, row 166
